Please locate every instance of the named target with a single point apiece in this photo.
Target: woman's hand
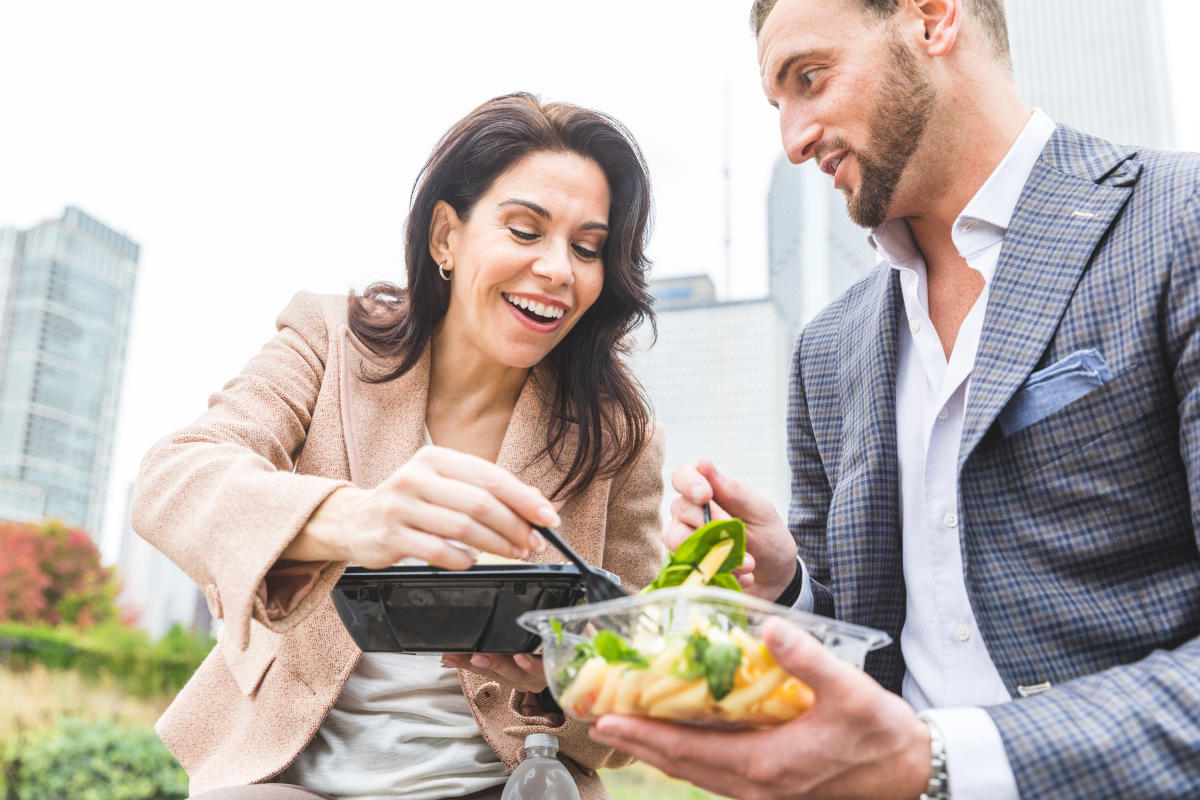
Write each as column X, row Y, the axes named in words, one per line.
column 522, row 672
column 435, row 508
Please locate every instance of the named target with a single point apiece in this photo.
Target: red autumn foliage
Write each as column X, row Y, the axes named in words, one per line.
column 50, row 574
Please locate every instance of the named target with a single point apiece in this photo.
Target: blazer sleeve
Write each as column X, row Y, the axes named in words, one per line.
column 1132, row 730
column 633, row 549
column 808, row 511
column 219, row 497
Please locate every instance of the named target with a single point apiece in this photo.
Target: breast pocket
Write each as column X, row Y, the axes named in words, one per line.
column 1119, row 417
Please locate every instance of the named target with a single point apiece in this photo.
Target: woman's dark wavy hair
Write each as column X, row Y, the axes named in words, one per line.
column 594, row 390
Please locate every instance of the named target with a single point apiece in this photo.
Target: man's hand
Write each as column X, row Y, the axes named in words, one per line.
column 857, row 741
column 770, row 550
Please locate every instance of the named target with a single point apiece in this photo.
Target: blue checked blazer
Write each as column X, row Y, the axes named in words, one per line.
column 1079, row 531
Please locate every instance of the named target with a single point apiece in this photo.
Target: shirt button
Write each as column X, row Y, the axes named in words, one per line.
column 944, row 414
column 962, row 632
column 914, row 326
column 950, row 520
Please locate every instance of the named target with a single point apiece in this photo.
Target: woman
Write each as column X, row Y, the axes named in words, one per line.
column 428, row 422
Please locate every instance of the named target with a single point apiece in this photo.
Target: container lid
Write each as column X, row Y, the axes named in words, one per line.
column 541, row 740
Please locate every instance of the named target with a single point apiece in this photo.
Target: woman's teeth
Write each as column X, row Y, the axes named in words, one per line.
column 541, row 310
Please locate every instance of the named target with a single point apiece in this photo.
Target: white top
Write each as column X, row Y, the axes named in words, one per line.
column 948, row 665
column 400, row 728
column 950, row 674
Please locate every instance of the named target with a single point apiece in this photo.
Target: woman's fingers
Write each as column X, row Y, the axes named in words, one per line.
column 460, row 497
column 526, row 502
column 465, row 513
column 522, row 672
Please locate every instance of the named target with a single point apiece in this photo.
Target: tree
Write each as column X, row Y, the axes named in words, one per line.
column 51, row 574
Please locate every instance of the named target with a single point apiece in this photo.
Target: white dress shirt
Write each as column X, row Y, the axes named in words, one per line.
column 950, row 674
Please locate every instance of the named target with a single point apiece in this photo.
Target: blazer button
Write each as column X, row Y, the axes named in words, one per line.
column 214, row 600
column 486, row 695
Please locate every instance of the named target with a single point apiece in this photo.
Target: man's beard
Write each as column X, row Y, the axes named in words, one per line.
column 905, row 106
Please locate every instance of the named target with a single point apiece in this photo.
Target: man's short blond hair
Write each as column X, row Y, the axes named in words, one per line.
column 989, row 14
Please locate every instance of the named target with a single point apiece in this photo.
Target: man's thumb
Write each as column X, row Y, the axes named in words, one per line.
column 727, row 493
column 800, row 654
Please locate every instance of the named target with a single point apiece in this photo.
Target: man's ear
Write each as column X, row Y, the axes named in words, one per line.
column 941, row 20
column 443, row 226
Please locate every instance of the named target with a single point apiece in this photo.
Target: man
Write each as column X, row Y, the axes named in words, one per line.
column 993, row 438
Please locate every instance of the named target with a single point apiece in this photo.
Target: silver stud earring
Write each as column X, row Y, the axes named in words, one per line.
column 445, row 273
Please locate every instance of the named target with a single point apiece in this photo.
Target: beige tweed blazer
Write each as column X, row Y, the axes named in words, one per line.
column 224, row 496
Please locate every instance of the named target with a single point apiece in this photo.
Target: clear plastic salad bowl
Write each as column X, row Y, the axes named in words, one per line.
column 692, row 654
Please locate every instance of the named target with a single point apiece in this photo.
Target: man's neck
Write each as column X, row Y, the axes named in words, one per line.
column 973, row 137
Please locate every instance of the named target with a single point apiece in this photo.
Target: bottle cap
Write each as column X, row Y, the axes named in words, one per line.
column 541, row 740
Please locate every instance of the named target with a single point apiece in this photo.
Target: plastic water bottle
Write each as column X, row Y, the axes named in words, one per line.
column 540, row 776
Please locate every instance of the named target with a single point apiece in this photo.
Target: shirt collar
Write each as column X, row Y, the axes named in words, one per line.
column 987, row 215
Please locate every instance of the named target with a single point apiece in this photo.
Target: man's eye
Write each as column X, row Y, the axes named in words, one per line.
column 585, row 252
column 808, row 76
column 524, row 236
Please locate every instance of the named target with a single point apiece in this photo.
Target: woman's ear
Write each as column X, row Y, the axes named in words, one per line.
column 443, row 227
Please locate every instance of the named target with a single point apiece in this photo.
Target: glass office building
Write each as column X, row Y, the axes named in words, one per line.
column 67, row 295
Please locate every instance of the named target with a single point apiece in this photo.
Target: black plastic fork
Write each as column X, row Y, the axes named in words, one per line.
column 599, row 584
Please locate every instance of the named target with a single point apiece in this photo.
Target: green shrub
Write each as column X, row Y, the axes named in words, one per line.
column 140, row 667
column 75, row 759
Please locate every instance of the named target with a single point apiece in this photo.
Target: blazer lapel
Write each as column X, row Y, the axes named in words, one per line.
column 864, row 545
column 1059, row 221
column 383, row 423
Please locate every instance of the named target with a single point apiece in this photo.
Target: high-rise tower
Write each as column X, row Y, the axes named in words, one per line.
column 68, row 292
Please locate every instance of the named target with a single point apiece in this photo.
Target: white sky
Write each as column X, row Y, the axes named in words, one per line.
column 257, row 148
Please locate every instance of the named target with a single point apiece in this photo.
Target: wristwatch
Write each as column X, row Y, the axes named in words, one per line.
column 939, row 778
column 792, row 593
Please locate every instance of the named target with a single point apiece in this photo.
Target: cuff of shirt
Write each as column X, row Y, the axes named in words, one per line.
column 976, row 764
column 805, row 601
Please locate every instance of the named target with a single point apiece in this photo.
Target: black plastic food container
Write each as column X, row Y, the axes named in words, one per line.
column 430, row 610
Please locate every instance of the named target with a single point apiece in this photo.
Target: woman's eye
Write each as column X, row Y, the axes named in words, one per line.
column 524, row 236
column 585, row 252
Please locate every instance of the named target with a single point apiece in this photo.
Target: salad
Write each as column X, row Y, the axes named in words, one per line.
column 693, row 661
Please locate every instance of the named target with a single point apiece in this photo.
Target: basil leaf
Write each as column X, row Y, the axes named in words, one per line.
column 614, row 650
column 721, row 661
column 725, row 580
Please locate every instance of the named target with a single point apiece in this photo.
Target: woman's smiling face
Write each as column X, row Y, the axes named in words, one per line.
column 526, row 263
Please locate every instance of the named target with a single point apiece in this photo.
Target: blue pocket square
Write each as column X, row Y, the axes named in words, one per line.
column 1053, row 388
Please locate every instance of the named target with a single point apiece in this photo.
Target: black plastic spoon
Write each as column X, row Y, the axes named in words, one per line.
column 599, row 584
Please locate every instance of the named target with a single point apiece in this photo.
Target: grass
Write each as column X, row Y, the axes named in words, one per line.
column 36, row 696
column 642, row 782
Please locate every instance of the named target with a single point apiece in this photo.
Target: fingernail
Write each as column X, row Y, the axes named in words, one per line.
column 536, row 542
column 698, row 494
column 481, row 661
column 548, row 516
column 523, row 661
column 784, row 636
column 520, row 552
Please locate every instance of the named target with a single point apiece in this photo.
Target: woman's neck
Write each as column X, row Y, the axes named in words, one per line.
column 471, row 398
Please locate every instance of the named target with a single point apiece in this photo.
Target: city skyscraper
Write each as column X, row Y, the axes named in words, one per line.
column 68, row 292
column 1096, row 65
column 814, row 251
column 717, row 379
